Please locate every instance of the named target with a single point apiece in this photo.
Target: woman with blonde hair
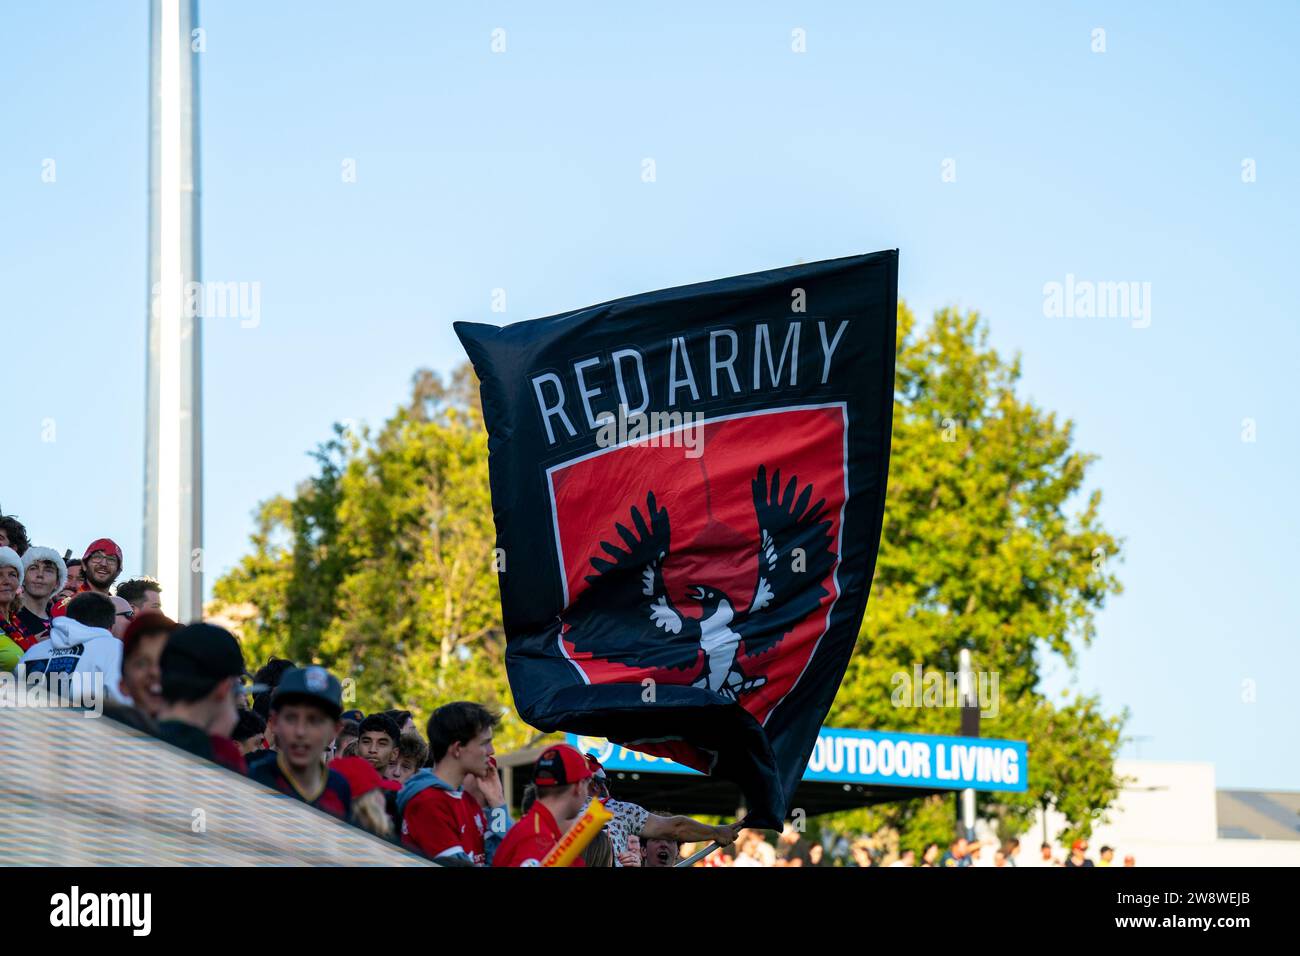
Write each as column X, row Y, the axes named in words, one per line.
column 13, row 642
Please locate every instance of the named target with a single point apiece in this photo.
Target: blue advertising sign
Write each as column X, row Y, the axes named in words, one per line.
column 928, row 761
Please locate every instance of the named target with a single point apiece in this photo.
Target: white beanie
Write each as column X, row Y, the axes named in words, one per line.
column 9, row 557
column 35, row 554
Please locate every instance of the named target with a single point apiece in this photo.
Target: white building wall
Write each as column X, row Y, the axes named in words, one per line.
column 1165, row 816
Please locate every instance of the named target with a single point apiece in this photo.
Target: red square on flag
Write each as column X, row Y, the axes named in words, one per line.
column 747, row 541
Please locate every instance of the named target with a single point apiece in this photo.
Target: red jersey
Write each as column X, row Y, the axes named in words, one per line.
column 439, row 822
column 334, row 796
column 530, row 840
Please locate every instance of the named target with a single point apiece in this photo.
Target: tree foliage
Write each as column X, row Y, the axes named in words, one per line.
column 380, row 567
column 980, row 550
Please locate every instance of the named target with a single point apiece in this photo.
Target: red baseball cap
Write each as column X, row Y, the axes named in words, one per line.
column 559, row 765
column 360, row 775
column 107, row 545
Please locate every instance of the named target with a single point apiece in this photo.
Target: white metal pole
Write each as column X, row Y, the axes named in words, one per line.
column 173, row 446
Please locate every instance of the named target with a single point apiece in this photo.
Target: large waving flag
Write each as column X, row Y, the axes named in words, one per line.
column 688, row 488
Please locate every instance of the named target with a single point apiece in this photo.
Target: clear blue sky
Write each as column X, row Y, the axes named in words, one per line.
column 522, row 171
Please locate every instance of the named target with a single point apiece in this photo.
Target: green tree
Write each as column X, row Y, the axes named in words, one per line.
column 381, row 566
column 980, row 550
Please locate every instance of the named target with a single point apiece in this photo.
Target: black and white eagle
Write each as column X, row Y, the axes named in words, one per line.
column 626, row 615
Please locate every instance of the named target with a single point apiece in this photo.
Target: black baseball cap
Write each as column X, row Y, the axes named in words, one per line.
column 196, row 658
column 312, row 684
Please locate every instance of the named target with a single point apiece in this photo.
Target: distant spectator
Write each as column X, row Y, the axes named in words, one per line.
column 142, row 647
column 1077, row 855
column 305, row 709
column 349, row 731
column 931, row 855
column 439, row 816
column 43, row 577
column 412, row 752
column 13, row 535
column 377, row 741
column 82, row 645
column 1045, row 857
column 1011, row 851
column 792, row 848
column 268, row 676
column 1107, row 856
column 629, row 857
column 660, row 852
column 73, row 584
column 561, row 776
column 13, row 642
column 122, row 615
column 101, row 564
column 143, row 594
column 1130, row 860
column 405, row 722
column 599, row 852
column 249, row 732
column 958, row 853
column 859, row 851
column 202, row 667
column 753, row 850
column 907, row 858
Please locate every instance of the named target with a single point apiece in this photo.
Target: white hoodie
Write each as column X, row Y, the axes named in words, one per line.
column 74, row 648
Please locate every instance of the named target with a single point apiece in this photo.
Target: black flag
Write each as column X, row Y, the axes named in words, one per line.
column 688, row 488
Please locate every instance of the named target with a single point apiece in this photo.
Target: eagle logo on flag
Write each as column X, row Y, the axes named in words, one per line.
column 794, row 548
column 701, row 589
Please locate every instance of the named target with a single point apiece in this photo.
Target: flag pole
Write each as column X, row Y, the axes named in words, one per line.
column 701, row 854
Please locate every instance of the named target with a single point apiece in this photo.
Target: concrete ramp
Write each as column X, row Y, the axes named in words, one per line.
column 89, row 791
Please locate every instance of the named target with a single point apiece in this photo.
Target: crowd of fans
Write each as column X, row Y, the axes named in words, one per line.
column 793, row 848
column 438, row 794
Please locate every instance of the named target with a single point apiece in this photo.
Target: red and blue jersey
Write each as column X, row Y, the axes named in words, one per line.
column 334, row 796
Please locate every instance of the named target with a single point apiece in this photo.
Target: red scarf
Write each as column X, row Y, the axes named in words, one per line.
column 14, row 630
